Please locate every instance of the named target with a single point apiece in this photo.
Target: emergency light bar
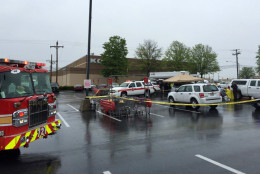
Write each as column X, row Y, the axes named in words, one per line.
column 19, row 62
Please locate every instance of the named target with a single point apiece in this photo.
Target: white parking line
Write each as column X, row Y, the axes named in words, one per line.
column 178, row 108
column 156, row 115
column 108, row 116
column 64, row 121
column 73, row 108
column 219, row 164
column 107, row 172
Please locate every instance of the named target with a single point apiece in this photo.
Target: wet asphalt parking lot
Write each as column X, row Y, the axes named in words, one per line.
column 179, row 140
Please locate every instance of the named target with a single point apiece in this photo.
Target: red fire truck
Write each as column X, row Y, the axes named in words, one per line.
column 27, row 104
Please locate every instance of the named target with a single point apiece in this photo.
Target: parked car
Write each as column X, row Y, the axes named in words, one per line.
column 131, row 88
column 115, row 85
column 156, row 86
column 55, row 87
column 78, row 87
column 247, row 87
column 224, row 85
column 100, row 86
column 196, row 94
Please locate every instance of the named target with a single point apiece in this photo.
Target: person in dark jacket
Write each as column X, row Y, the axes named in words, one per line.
column 234, row 87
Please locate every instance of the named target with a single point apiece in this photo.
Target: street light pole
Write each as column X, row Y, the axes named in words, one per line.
column 85, row 104
column 89, row 41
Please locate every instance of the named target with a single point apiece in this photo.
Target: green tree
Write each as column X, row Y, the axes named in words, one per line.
column 176, row 57
column 203, row 59
column 258, row 60
column 148, row 54
column 114, row 57
column 247, row 73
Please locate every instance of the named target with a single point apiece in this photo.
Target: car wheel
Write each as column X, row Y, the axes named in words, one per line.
column 194, row 101
column 124, row 94
column 213, row 106
column 171, row 100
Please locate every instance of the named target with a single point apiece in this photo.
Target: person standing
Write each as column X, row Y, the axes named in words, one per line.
column 234, row 87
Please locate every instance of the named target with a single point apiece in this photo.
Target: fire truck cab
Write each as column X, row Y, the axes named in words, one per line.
column 27, row 104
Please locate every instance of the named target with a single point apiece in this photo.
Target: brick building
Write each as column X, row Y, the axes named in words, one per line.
column 75, row 72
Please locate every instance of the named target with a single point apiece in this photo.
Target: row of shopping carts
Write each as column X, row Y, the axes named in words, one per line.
column 123, row 107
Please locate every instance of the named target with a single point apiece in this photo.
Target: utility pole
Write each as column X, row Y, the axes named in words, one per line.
column 236, row 54
column 51, row 62
column 57, row 48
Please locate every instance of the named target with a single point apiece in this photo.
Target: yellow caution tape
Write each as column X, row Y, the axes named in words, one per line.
column 178, row 104
column 210, row 104
column 91, row 97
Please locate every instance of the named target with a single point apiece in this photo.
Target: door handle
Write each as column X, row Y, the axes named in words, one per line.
column 257, row 88
column 249, row 87
column 190, row 93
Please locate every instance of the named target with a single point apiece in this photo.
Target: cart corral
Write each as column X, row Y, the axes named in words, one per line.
column 123, row 107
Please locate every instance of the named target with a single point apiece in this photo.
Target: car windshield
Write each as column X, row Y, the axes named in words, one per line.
column 124, row 85
column 209, row 88
column 15, row 85
column 41, row 82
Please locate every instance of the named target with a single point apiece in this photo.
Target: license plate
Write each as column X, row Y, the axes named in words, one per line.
column 211, row 94
column 41, row 132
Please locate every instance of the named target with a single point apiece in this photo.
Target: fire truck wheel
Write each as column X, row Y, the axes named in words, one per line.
column 124, row 94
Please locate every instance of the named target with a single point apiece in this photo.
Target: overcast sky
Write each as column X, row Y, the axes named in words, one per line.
column 29, row 27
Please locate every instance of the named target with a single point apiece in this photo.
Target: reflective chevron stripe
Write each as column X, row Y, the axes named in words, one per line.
column 13, row 143
column 34, row 135
column 48, row 130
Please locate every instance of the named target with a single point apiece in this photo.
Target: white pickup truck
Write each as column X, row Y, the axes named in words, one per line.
column 247, row 87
